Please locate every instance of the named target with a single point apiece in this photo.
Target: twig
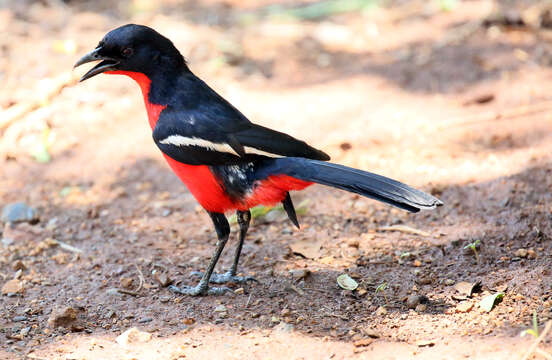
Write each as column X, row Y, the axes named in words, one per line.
column 342, row 317
column 296, row 289
column 32, row 356
column 18, row 111
column 537, row 341
column 161, row 266
column 67, row 247
column 319, row 290
column 248, row 300
column 128, row 292
column 492, row 116
column 140, row 277
column 543, row 353
column 404, row 229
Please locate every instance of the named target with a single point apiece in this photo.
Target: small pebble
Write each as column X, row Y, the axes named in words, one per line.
column 132, row 336
column 287, row 231
column 371, row 333
column 381, row 311
column 13, row 286
column 522, row 253
column 126, row 283
column 113, row 291
column 299, row 274
column 7, row 242
column 464, row 306
column 284, row 327
column 145, row 320
column 18, row 212
column 413, row 300
column 64, row 317
column 363, row 342
column 19, row 318
column 18, row 265
column 421, row 308
column 25, row 331
column 449, row 282
column 220, row 308
column 353, row 243
column 162, row 278
column 52, row 224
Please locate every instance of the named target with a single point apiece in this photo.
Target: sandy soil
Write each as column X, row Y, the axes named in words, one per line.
column 429, row 97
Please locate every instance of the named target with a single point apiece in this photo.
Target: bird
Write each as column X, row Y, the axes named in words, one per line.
column 227, row 162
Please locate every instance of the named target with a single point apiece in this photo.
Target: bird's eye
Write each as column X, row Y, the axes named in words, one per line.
column 127, row 52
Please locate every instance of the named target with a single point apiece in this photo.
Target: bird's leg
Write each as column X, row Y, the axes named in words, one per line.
column 223, row 231
column 244, row 218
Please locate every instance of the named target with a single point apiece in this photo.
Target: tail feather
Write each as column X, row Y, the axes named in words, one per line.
column 357, row 181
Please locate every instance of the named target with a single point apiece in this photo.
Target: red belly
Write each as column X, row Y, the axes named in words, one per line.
column 211, row 195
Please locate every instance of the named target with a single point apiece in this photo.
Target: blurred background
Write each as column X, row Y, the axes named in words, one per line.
column 368, row 81
column 451, row 96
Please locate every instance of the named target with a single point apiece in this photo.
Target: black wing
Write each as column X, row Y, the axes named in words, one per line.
column 210, row 131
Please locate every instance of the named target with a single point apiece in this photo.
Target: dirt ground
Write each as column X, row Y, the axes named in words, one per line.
column 455, row 101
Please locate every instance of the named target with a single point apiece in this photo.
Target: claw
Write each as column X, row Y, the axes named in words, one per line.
column 227, row 277
column 197, row 290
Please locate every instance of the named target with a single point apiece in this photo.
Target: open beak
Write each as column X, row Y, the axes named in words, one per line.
column 107, row 63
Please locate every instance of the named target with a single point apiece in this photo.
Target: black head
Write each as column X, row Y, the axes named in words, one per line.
column 135, row 48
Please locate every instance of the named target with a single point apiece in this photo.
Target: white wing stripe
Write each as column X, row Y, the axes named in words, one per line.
column 252, row 150
column 179, row 140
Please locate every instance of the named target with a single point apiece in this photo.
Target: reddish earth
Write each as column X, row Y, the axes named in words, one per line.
column 429, row 97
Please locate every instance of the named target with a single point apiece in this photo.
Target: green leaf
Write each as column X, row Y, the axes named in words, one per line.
column 529, row 332
column 41, row 154
column 535, row 330
column 489, row 302
column 261, row 210
column 448, row 5
column 472, row 245
column 65, row 191
column 381, row 287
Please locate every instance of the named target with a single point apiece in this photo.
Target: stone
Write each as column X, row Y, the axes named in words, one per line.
column 522, row 253
column 284, row 327
column 363, row 342
column 381, row 311
column 299, row 274
column 65, row 317
column 413, row 300
column 13, row 286
column 18, row 212
column 464, row 307
column 133, row 336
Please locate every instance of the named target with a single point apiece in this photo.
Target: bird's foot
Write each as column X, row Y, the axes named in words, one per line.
column 227, row 277
column 200, row 290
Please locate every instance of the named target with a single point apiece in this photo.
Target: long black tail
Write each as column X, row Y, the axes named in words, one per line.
column 342, row 177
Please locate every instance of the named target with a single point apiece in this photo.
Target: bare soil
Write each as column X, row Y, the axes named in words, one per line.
column 430, row 97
